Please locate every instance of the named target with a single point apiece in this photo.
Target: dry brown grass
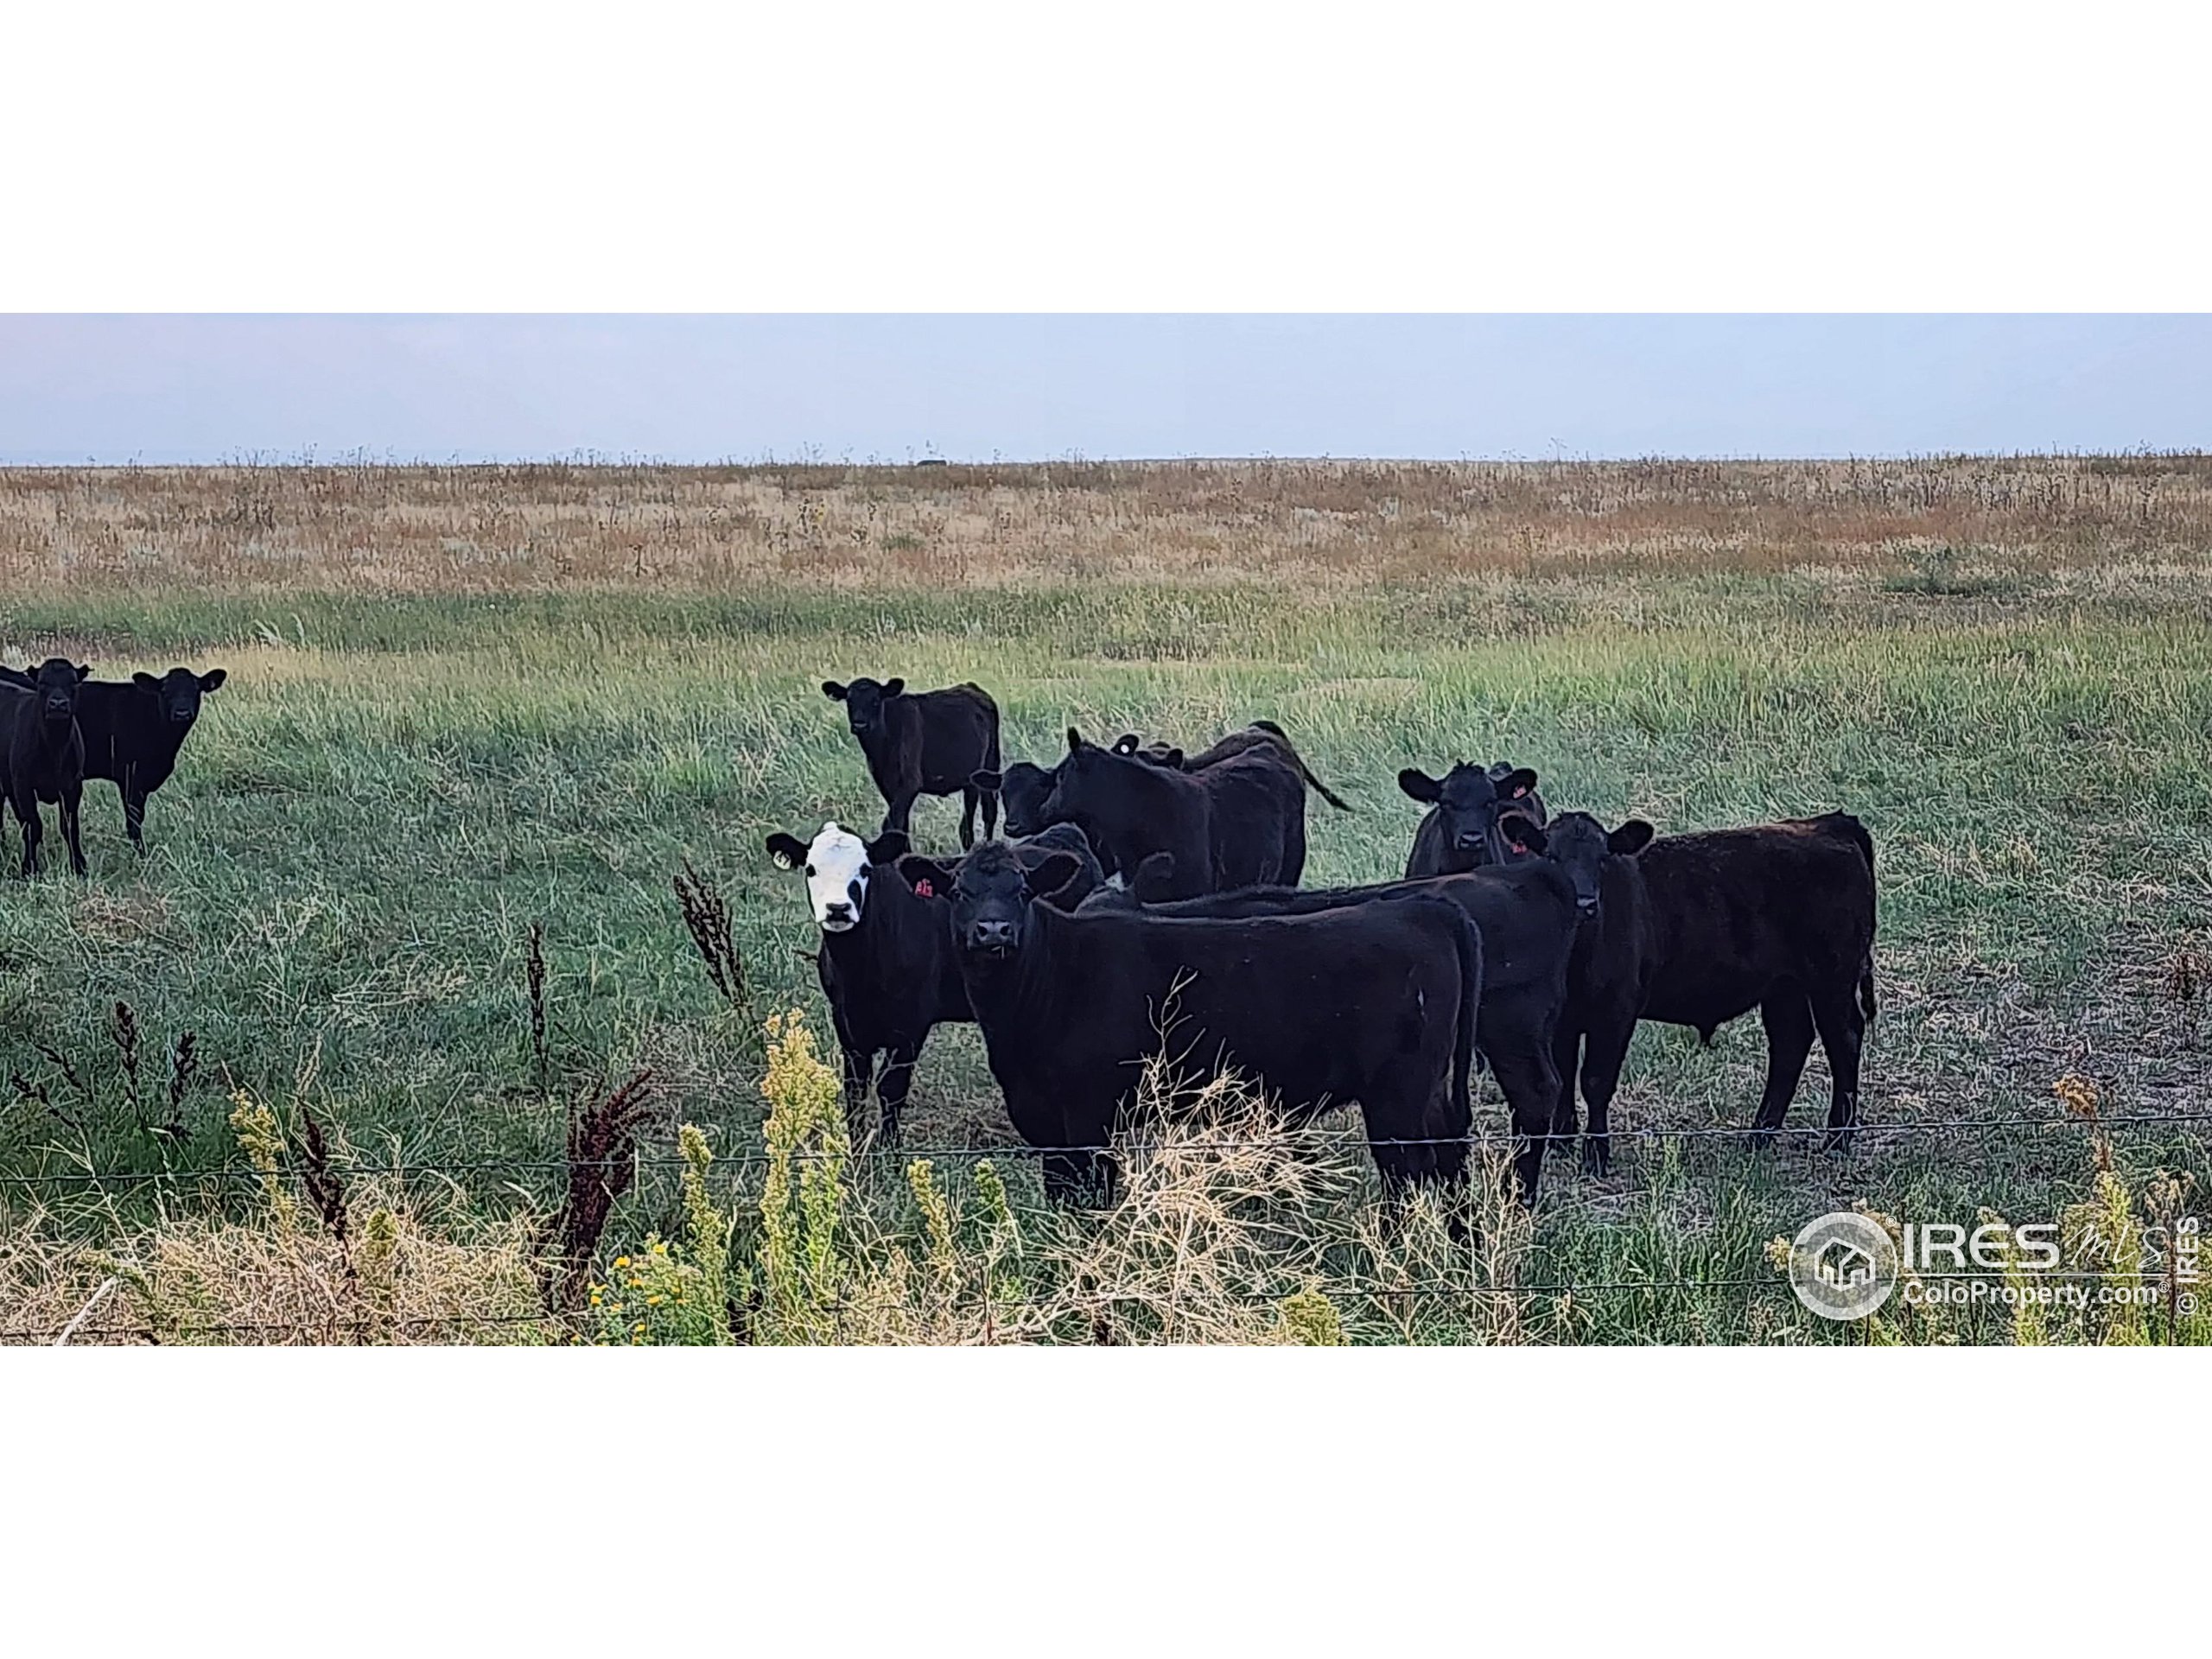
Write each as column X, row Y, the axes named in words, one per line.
column 198, row 1281
column 519, row 529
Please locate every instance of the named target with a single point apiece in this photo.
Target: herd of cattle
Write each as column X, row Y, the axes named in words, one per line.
column 58, row 727
column 1147, row 902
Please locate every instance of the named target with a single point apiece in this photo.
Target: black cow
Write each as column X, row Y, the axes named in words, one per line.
column 886, row 964
column 1260, row 733
column 1459, row 830
column 1025, row 789
column 42, row 754
column 1238, row 822
column 133, row 730
column 924, row 743
column 1695, row 929
column 1374, row 1005
column 1032, row 850
column 1527, row 915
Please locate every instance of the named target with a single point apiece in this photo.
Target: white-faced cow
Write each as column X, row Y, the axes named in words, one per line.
column 924, row 743
column 886, row 963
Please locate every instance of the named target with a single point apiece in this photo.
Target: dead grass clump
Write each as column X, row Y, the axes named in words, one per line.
column 208, row 1281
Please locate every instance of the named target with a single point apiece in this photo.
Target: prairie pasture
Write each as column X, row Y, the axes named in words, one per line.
column 467, row 703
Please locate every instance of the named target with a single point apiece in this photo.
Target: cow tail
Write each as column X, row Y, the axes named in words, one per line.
column 1865, row 842
column 1297, row 760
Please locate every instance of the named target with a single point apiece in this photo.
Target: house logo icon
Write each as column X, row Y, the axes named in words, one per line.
column 1843, row 1265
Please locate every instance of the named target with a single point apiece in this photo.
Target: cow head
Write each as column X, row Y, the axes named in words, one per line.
column 1083, row 782
column 179, row 692
column 55, row 684
column 1022, row 789
column 837, row 863
column 1578, row 844
column 1468, row 801
column 867, row 702
column 990, row 892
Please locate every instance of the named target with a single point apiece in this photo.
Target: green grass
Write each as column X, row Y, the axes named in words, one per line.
column 388, row 792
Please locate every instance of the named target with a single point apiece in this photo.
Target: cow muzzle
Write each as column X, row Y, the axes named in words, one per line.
column 838, row 917
column 994, row 938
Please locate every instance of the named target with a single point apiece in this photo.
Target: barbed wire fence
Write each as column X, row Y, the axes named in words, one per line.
column 336, row 1326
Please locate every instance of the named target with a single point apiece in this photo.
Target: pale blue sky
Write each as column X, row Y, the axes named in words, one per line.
column 158, row 388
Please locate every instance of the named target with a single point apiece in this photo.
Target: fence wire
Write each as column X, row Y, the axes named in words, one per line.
column 1481, row 1140
column 566, row 1327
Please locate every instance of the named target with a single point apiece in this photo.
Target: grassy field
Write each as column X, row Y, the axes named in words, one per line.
column 464, row 700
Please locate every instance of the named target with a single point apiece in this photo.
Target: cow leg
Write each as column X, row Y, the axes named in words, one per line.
column 900, row 815
column 1603, row 1053
column 990, row 814
column 890, row 1088
column 1789, row 1021
column 1394, row 1135
column 970, row 798
column 1081, row 1172
column 1843, row 1031
column 1529, row 1079
column 1079, row 1177
column 71, row 801
column 860, row 1071
column 1567, row 1054
column 27, row 815
column 134, row 807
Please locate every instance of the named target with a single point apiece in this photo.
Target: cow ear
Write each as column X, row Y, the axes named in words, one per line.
column 84, row 672
column 893, row 687
column 1155, row 879
column 1516, row 784
column 145, row 681
column 1126, row 743
column 788, row 851
column 1523, row 833
column 832, row 690
column 213, row 677
column 914, row 870
column 1051, row 873
column 1630, row 838
column 1419, row 784
column 1172, row 760
column 1075, row 741
column 889, row 847
column 987, row 780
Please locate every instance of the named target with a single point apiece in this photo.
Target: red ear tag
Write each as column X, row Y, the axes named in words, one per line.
column 923, row 890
